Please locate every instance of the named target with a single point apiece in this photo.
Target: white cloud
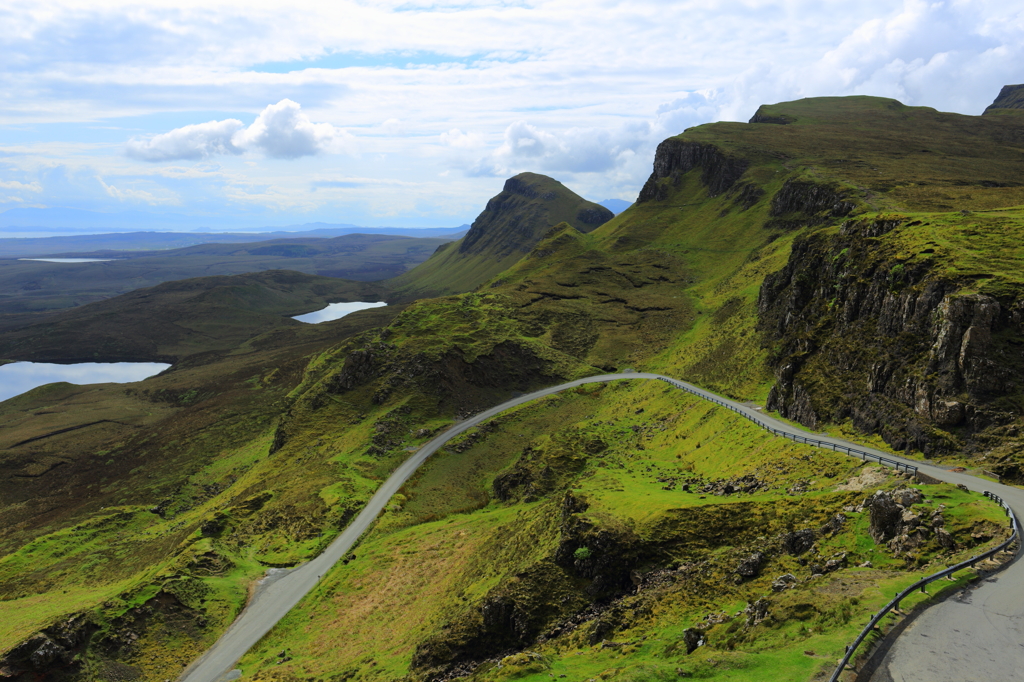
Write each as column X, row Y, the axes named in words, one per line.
column 393, row 126
column 281, row 131
column 577, row 150
column 139, row 195
column 21, row 186
column 194, row 142
column 460, row 140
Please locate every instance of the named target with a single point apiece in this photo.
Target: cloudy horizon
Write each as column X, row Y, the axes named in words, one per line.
column 413, row 113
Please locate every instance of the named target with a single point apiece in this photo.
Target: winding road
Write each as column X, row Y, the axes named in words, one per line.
column 959, row 640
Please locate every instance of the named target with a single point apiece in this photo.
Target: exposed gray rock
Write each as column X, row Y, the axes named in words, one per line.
column 834, row 525
column 945, row 539
column 815, row 201
column 835, row 563
column 674, row 158
column 907, row 497
column 758, row 611
column 886, row 517
column 948, row 412
column 784, row 582
column 46, row 653
column 910, row 519
column 751, row 566
column 798, row 542
column 692, row 639
column 916, row 355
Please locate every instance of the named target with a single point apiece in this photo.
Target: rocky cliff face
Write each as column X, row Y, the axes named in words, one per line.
column 861, row 332
column 676, row 157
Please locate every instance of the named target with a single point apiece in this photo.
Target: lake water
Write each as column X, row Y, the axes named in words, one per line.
column 70, row 260
column 18, row 377
column 336, row 310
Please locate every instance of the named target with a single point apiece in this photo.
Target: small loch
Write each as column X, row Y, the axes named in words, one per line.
column 336, row 311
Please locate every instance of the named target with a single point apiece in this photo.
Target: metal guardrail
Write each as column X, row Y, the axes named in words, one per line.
column 835, row 447
column 921, row 584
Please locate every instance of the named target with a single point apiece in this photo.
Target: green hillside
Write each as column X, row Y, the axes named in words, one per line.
column 850, row 263
column 511, row 224
column 175, row 319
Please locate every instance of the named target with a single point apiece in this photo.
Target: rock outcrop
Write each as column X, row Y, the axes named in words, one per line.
column 674, row 158
column 866, row 334
column 886, row 517
column 801, row 202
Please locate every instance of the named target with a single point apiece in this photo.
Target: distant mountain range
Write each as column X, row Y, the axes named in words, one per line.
column 26, row 247
column 68, row 221
column 616, row 206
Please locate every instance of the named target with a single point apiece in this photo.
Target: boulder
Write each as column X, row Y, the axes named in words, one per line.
column 784, row 582
column 886, row 517
column 798, row 542
column 835, row 563
column 751, row 566
column 834, row 525
column 945, row 539
column 692, row 639
column 46, row 653
column 907, row 497
column 758, row 611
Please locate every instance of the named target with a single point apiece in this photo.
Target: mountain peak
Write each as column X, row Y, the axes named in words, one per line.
column 513, row 222
column 529, row 204
column 1010, row 97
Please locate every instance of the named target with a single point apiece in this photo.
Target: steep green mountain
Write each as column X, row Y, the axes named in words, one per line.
column 616, row 532
column 511, row 224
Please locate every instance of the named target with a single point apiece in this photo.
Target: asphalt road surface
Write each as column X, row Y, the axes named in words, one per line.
column 980, row 638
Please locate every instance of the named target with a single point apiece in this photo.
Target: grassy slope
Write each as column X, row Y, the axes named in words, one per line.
column 175, row 319
column 431, row 561
column 40, row 287
column 894, row 157
column 105, row 518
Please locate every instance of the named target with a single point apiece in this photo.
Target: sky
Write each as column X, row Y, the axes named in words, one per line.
column 413, row 112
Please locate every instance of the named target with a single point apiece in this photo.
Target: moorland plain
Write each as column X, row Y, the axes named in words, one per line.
column 32, row 287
